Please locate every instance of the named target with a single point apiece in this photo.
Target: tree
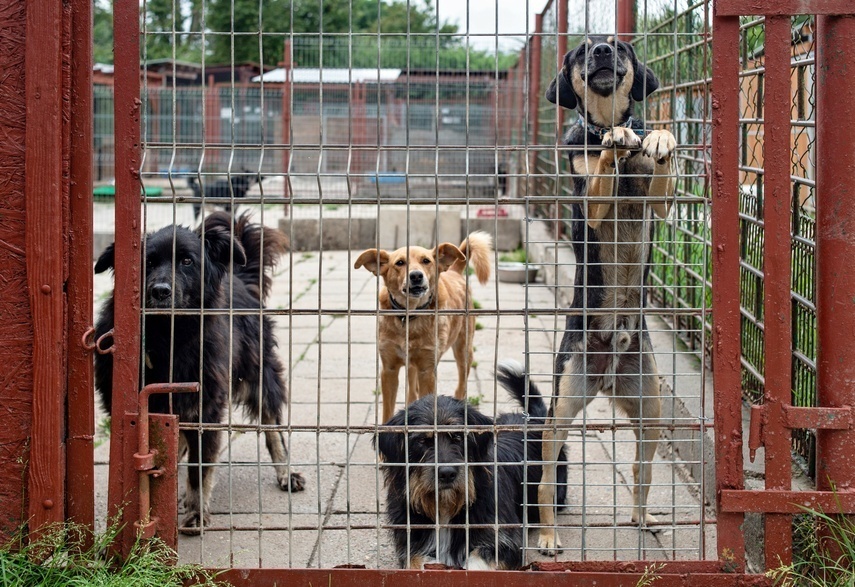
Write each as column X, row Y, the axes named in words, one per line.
column 377, row 33
column 102, row 33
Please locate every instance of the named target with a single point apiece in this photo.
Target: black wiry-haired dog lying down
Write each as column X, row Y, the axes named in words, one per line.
column 450, row 479
column 251, row 352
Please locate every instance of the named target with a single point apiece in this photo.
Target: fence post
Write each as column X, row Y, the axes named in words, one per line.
column 80, row 466
column 286, row 119
column 626, row 19
column 727, row 372
column 835, row 224
column 561, row 15
column 535, row 71
column 45, row 193
column 127, row 273
column 777, row 268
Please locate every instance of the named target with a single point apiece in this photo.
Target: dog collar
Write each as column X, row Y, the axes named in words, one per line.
column 600, row 131
column 396, row 306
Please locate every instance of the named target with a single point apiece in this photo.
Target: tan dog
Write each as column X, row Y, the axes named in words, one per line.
column 426, row 282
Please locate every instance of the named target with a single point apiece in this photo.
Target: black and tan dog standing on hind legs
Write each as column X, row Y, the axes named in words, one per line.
column 606, row 346
column 416, row 279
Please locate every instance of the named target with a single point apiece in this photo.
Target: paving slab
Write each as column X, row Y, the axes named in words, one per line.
column 333, row 375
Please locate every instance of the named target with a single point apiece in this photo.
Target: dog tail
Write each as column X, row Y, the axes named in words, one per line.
column 264, row 246
column 478, row 249
column 511, row 376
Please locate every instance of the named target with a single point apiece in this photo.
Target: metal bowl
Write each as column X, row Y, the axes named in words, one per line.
column 511, row 272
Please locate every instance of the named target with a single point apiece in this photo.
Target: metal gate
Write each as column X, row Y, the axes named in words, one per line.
column 510, row 163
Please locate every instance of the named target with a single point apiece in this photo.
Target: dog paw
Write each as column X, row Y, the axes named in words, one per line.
column 193, row 522
column 548, row 542
column 659, row 145
column 649, row 524
column 621, row 137
column 293, row 482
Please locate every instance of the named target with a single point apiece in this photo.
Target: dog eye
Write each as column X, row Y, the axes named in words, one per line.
column 186, row 261
column 457, row 436
column 400, row 262
column 425, row 261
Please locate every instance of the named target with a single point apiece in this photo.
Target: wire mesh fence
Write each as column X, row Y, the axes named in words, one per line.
column 363, row 133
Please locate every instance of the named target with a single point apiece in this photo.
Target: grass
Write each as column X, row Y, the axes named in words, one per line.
column 823, row 551
column 517, row 256
column 103, row 431
column 58, row 558
column 650, row 575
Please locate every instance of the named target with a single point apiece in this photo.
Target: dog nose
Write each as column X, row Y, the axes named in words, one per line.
column 447, row 474
column 161, row 291
column 416, row 277
column 602, row 50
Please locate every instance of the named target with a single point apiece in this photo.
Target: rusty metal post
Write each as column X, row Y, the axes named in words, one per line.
column 835, row 245
column 122, row 508
column 725, row 290
column 535, row 75
column 80, row 464
column 287, row 82
column 626, row 19
column 213, row 134
column 561, row 16
column 777, row 269
column 45, row 191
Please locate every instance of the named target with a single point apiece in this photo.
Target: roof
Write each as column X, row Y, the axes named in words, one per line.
column 329, row 75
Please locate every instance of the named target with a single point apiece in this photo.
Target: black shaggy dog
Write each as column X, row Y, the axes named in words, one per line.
column 236, row 185
column 235, row 259
column 450, row 479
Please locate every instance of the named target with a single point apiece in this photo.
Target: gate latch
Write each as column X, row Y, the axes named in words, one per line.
column 144, row 458
column 796, row 418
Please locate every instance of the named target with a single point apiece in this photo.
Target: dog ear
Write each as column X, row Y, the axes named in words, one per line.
column 481, row 438
column 390, row 445
column 220, row 244
column 644, row 83
column 561, row 92
column 106, row 260
column 375, row 260
column 447, row 255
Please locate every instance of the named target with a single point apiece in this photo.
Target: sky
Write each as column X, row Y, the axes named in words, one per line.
column 512, row 18
column 482, row 19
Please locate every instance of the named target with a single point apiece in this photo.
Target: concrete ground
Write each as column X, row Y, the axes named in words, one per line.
column 333, row 380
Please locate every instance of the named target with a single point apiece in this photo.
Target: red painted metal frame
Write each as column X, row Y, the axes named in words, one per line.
column 667, row 575
column 122, row 505
column 776, row 284
column 80, row 464
column 835, row 221
column 787, row 502
column 781, row 7
column 45, row 247
column 727, row 376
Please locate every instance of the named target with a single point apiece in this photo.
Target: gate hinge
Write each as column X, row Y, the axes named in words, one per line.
column 797, row 418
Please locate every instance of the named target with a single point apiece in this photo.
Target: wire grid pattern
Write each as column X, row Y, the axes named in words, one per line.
column 659, row 41
column 681, row 273
column 429, row 142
